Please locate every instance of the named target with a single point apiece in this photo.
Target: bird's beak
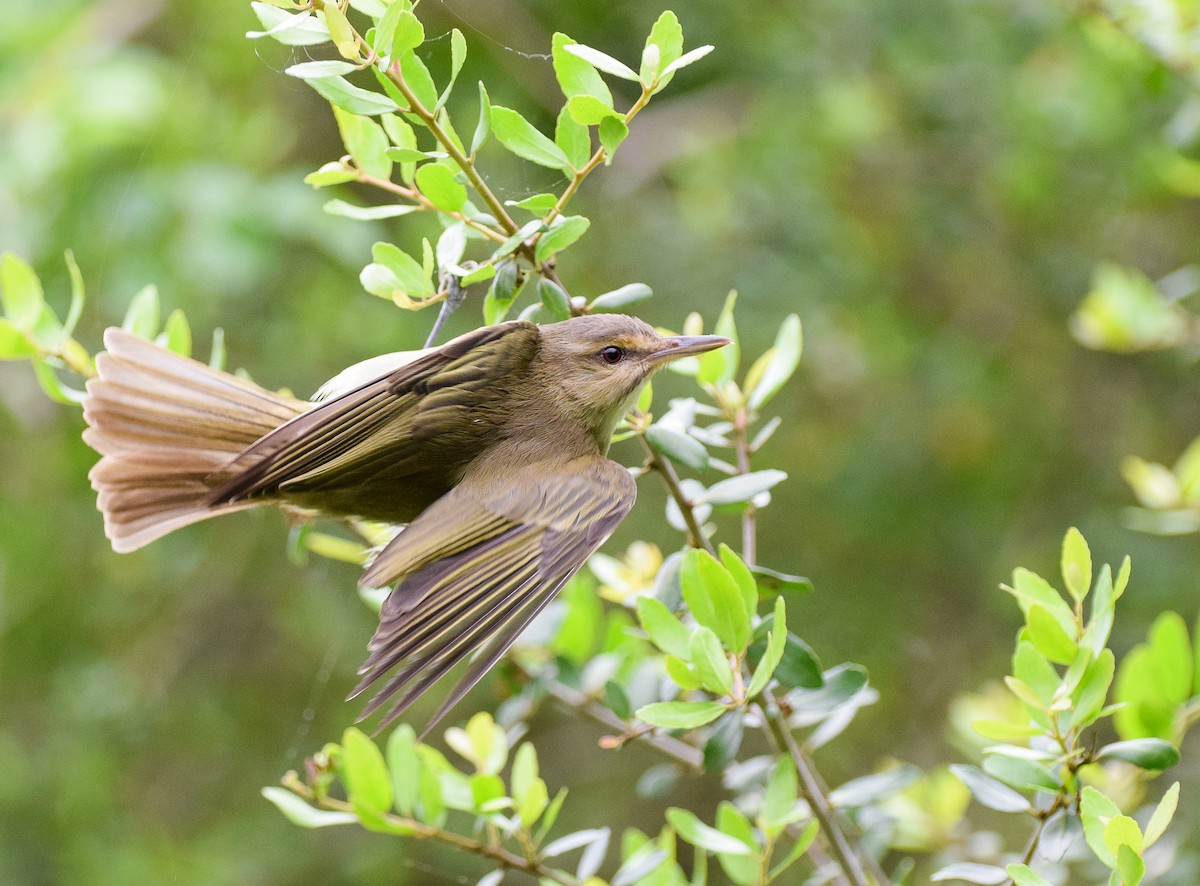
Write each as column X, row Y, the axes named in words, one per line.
column 683, row 345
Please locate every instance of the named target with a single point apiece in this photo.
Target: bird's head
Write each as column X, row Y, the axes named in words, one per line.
column 599, row 363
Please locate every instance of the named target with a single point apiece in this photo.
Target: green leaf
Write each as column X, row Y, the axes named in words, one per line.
column 1163, row 813
column 340, row 31
column 311, row 70
column 301, row 29
column 678, row 446
column 742, row 576
column 332, row 173
column 588, row 110
column 680, row 714
column 350, row 98
column 1021, row 773
column 14, row 345
column 405, row 767
column 142, row 318
column 367, row 781
column 664, row 630
column 779, row 801
column 1048, row 638
column 773, row 655
column 519, row 136
column 799, row 667
column 710, row 662
column 576, row 76
column 1076, row 564
column 1024, row 875
column 1152, row 754
column 441, row 188
column 667, row 36
column 1121, row 830
column 741, row 488
column 770, row 582
column 741, row 869
column 486, row 789
column 75, row 311
column 399, row 31
column 419, row 80
column 368, row 213
column 413, row 277
column 602, row 61
column 690, row 57
column 366, row 142
column 1130, row 865
column 720, row 366
column 20, row 292
column 696, row 832
column 484, row 127
column 1035, row 671
column 681, row 673
column 562, row 234
column 481, row 274
column 619, row 299
column 780, row 365
column 538, row 204
column 617, row 700
column 1090, row 694
column 1030, row 588
column 554, row 301
column 970, row 872
column 714, row 599
column 179, row 334
column 988, row 791
column 613, row 131
column 1172, row 650
column 573, row 138
column 299, row 813
column 1095, row 810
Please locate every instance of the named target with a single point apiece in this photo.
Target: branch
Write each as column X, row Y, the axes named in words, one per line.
column 665, row 468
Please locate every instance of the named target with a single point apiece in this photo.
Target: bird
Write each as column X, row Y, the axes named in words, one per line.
column 491, row 451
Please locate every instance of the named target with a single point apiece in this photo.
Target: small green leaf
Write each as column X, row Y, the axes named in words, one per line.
column 602, row 61
column 743, row 870
column 1152, row 754
column 299, row 813
column 1095, row 810
column 771, row 582
column 688, row 58
column 710, row 661
column 75, row 311
column 1024, row 875
column 441, row 188
column 562, row 234
column 714, row 599
column 179, row 334
column 678, row 446
column 613, row 131
column 741, row 488
column 1121, row 830
column 619, row 299
column 367, row 781
column 142, row 318
column 1030, row 588
column 1076, row 564
column 680, row 714
column 301, row 29
column 1090, row 694
column 773, row 655
column 368, row 213
column 1048, row 638
column 573, row 138
column 588, row 110
column 405, row 768
column 419, row 80
column 664, row 630
column 1021, row 773
column 340, row 31
column 486, row 789
column 784, row 358
column 988, row 791
column 332, row 173
column 14, row 345
column 667, row 37
column 779, row 801
column 575, row 76
column 1130, row 865
column 484, row 127
column 311, row 70
column 696, row 832
column 554, row 301
column 617, row 700
column 350, row 98
column 743, row 576
column 366, row 142
column 681, row 673
column 538, row 204
column 1163, row 813
column 519, row 136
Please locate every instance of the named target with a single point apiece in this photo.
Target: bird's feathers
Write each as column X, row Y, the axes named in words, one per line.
column 474, row 583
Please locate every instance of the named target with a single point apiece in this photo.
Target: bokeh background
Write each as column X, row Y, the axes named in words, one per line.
column 929, row 185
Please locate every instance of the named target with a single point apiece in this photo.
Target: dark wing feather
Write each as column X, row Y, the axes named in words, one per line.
column 478, row 566
column 384, row 423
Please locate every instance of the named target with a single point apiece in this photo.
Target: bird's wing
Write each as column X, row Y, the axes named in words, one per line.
column 476, row 568
column 412, row 402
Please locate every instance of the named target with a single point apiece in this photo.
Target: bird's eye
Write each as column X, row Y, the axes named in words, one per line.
column 612, row 354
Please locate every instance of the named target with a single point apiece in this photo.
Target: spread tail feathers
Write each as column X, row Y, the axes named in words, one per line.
column 166, row 425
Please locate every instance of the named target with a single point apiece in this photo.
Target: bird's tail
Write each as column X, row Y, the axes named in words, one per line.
column 166, row 425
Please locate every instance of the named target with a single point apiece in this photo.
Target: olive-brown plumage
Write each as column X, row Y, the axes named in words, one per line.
column 491, row 448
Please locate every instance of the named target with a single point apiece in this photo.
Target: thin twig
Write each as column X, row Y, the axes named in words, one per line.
column 665, row 468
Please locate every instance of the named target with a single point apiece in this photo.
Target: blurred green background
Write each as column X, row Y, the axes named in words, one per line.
column 929, row 185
